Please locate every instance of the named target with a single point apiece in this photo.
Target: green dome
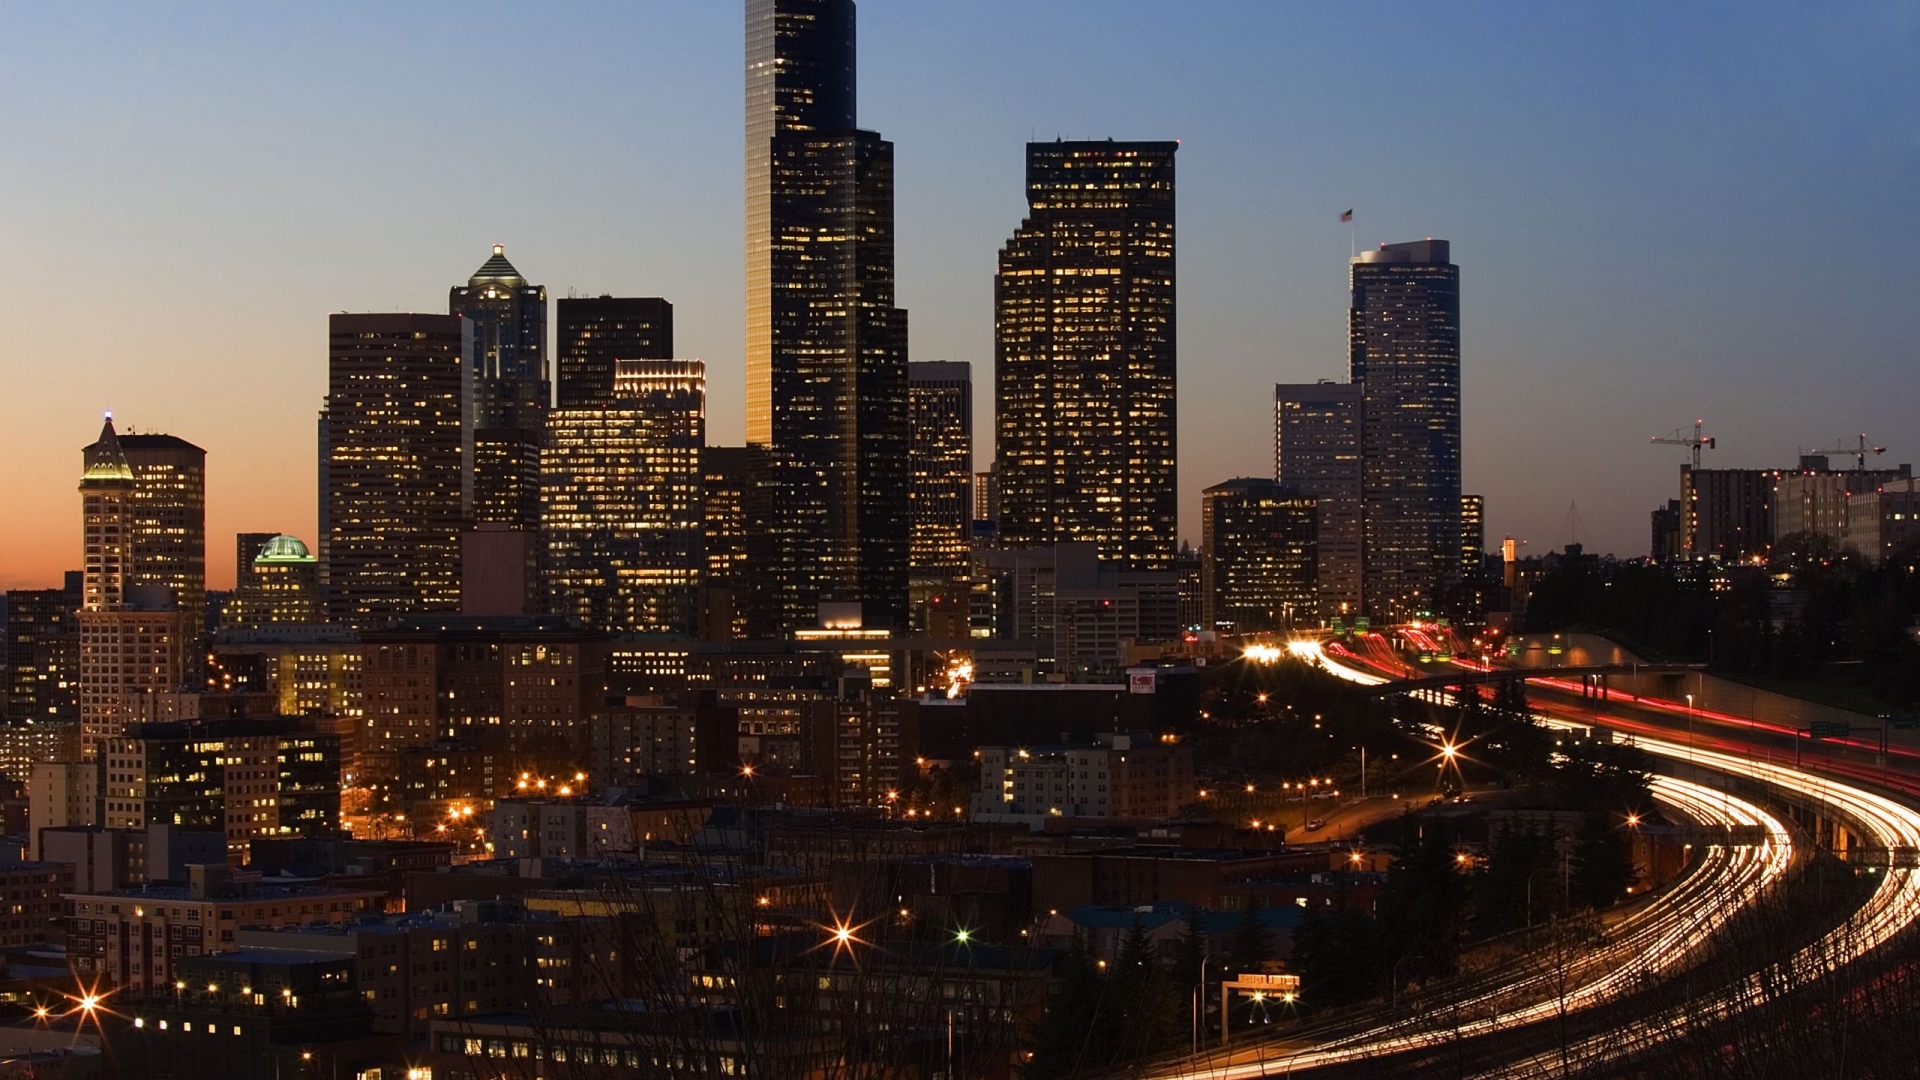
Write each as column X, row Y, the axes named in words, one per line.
column 283, row 548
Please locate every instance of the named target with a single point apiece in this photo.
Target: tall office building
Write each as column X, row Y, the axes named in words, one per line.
column 1473, row 535
column 1316, row 451
column 826, row 347
column 941, row 467
column 1258, row 562
column 169, row 518
column 622, row 491
column 1084, row 354
column 510, row 389
column 246, row 548
column 596, row 333
column 281, row 585
column 43, row 653
column 1403, row 346
column 134, row 636
column 1726, row 515
column 397, row 475
column 727, row 480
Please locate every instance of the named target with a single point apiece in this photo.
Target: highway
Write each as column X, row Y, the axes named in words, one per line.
column 1663, row 936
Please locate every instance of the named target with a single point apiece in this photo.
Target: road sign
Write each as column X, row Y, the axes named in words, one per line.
column 1363, row 624
column 1829, row 729
column 1904, row 723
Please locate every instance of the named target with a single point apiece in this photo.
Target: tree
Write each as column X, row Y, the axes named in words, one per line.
column 1340, row 957
column 1250, row 947
column 1064, row 1040
column 1602, row 863
column 1424, row 905
column 1144, row 1004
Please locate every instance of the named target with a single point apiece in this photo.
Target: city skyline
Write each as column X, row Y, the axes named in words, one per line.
column 1670, row 310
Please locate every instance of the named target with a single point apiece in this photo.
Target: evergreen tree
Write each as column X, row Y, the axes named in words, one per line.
column 1602, row 863
column 1065, row 1040
column 1250, row 948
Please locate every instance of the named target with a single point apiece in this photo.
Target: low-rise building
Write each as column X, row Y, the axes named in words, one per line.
column 1119, row 777
column 30, row 900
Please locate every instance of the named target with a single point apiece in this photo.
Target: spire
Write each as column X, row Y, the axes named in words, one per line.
column 104, row 460
column 497, row 270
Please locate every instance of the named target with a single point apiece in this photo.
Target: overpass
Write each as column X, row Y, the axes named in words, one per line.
column 1474, row 677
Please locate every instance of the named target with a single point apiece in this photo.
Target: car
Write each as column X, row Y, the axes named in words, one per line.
column 1316, row 824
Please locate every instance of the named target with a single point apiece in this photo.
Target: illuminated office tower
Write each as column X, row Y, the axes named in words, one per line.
column 169, row 518
column 596, row 333
column 42, row 653
column 1084, row 354
column 1404, row 352
column 281, row 585
column 1316, row 451
column 397, row 475
column 621, row 487
column 1258, row 562
column 826, row 347
column 728, row 479
column 940, row 496
column 510, row 389
column 1473, row 535
column 134, row 636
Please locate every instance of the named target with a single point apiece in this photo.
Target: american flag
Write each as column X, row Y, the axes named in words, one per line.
column 1348, row 216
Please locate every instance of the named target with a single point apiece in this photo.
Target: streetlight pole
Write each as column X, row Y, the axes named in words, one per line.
column 1689, row 732
column 1199, row 995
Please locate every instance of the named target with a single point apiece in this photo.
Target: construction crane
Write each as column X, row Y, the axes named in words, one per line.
column 1679, row 438
column 1860, row 449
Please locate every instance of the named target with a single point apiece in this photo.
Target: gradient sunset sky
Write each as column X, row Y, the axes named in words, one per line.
column 1660, row 212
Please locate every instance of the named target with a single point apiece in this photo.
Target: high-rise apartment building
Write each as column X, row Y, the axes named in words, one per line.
column 1403, row 338
column 1726, row 514
column 169, row 518
column 826, row 347
column 1084, row 354
column 622, row 498
column 1258, row 563
column 596, row 333
column 941, row 463
column 43, row 653
column 510, row 389
column 134, row 636
column 397, row 465
column 1316, row 441
column 1473, row 535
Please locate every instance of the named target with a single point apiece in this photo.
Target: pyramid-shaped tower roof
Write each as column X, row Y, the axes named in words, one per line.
column 497, row 270
column 105, row 461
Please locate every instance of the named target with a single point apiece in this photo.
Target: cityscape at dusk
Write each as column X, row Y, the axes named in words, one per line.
column 1191, row 542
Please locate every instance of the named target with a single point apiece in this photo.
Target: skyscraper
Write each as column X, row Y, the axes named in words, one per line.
column 1258, row 564
column 596, row 333
column 43, row 653
column 282, row 585
column 1403, row 343
column 510, row 389
column 169, row 518
column 1473, row 535
column 1084, row 353
column 727, row 478
column 134, row 636
column 397, row 434
column 826, row 347
column 941, row 469
column 1316, row 451
column 621, row 485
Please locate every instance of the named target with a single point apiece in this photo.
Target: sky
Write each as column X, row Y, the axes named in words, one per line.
column 1661, row 212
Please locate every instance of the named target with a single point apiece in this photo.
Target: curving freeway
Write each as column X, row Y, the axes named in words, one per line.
column 1664, row 935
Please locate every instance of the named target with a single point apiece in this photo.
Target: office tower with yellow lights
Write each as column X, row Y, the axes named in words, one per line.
column 135, row 638
column 597, row 332
column 1084, row 355
column 1316, row 451
column 621, row 490
column 940, row 459
column 826, row 346
column 396, row 466
column 1258, row 557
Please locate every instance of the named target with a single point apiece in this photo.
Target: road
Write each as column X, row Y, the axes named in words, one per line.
column 1664, row 935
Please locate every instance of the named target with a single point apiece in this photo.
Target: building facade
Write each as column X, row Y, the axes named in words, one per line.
column 511, row 390
column 1259, row 556
column 1473, row 535
column 397, row 466
column 941, row 462
column 1726, row 515
column 43, row 653
column 826, row 345
column 1084, row 354
column 597, row 332
column 1403, row 342
column 622, row 494
column 1316, row 451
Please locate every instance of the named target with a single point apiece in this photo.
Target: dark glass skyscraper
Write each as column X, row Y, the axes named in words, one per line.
column 1084, row 354
column 1404, row 352
column 1258, row 562
column 826, row 347
column 596, row 333
column 941, row 488
column 1316, row 451
column 510, row 389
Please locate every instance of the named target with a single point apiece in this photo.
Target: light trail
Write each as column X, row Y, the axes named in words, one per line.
column 1729, row 878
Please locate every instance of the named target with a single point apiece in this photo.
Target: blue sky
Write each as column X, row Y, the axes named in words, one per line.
column 1661, row 212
